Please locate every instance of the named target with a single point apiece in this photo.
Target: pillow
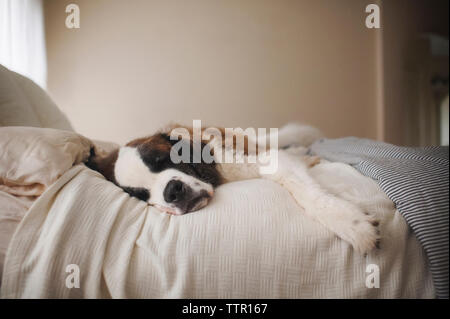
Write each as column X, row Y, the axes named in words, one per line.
column 14, row 106
column 32, row 158
column 24, row 103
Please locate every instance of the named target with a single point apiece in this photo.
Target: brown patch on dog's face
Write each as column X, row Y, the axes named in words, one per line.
column 155, row 142
column 155, row 153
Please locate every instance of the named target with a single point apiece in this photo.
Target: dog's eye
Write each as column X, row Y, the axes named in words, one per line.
column 159, row 159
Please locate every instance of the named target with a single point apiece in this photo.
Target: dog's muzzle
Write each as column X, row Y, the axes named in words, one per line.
column 183, row 197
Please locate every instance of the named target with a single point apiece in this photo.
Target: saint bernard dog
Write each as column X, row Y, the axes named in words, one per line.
column 144, row 169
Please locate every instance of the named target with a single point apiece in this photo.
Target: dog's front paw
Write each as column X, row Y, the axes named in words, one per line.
column 363, row 233
column 352, row 224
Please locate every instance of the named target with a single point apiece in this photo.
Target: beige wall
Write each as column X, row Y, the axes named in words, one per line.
column 135, row 65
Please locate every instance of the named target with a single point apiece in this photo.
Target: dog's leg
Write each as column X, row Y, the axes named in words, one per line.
column 344, row 218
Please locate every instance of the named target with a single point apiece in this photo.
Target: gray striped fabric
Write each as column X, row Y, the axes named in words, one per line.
column 416, row 180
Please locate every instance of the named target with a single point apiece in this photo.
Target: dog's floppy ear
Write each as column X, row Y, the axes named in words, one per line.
column 103, row 165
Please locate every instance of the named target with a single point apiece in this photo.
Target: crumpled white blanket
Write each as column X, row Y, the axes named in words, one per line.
column 252, row 241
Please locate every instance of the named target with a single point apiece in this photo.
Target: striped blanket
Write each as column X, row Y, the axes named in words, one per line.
column 416, row 180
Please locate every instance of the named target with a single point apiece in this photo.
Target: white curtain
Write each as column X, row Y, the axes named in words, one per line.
column 22, row 38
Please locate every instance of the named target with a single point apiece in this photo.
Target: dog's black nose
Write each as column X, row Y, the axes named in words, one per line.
column 174, row 192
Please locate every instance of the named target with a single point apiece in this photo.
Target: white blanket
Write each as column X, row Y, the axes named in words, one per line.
column 252, row 241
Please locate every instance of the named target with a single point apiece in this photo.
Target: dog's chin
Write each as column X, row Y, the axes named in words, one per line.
column 168, row 210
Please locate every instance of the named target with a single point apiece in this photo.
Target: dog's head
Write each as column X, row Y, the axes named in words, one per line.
column 144, row 168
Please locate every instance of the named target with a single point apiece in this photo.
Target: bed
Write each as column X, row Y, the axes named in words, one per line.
column 252, row 241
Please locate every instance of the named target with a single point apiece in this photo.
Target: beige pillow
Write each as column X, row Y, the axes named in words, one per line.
column 24, row 103
column 33, row 158
column 14, row 106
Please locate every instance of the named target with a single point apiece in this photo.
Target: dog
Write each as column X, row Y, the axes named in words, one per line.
column 145, row 169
